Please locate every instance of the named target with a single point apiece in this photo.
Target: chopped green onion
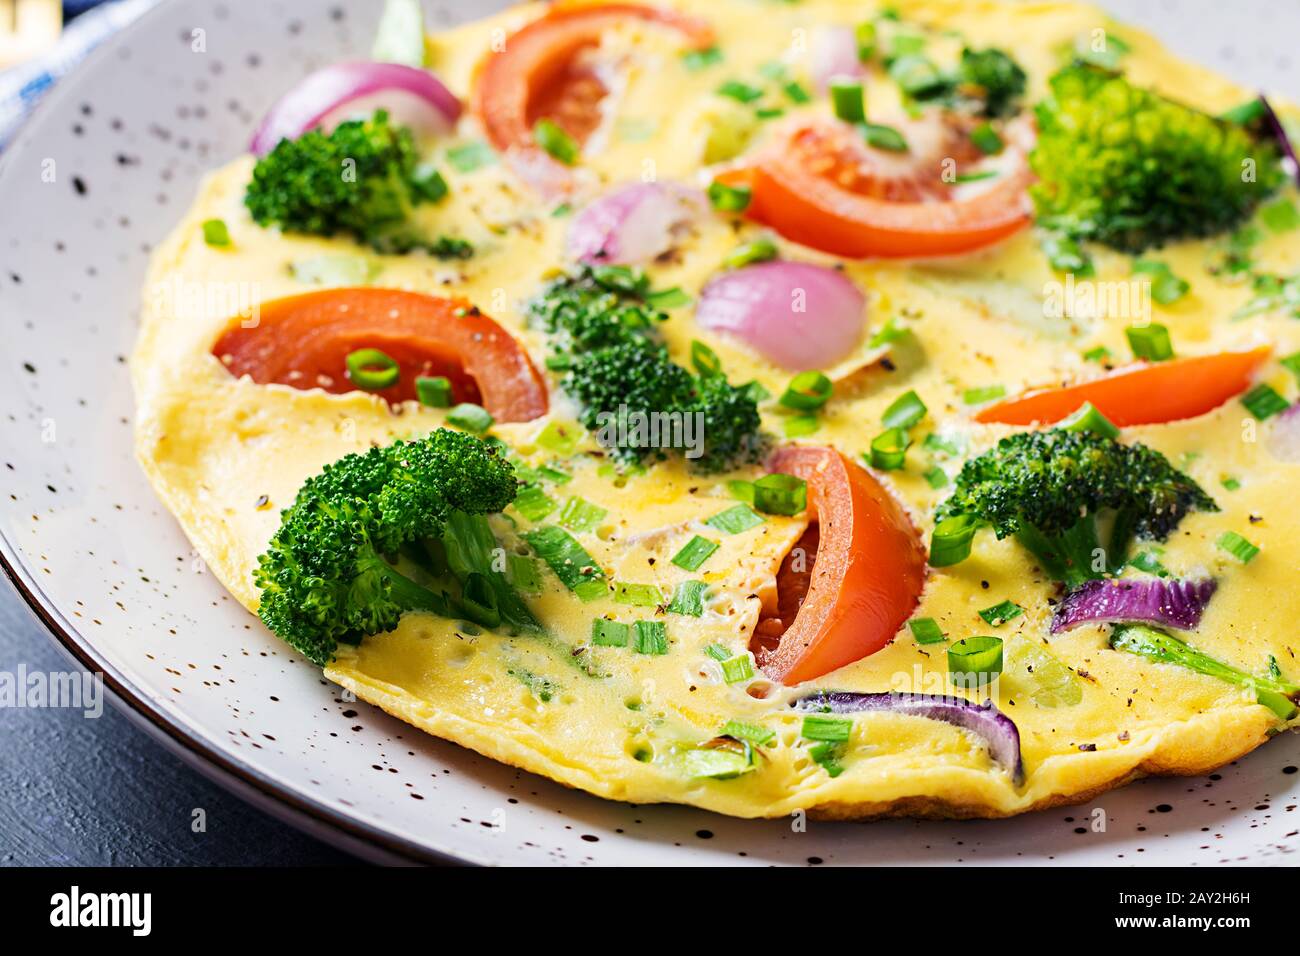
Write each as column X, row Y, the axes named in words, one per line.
column 936, row 477
column 704, row 359
column 987, row 393
column 555, row 141
column 726, row 198
column 433, row 390
column 215, row 233
column 696, row 60
column 472, row 418
column 887, row 334
column 737, row 669
column 751, row 733
column 718, row 652
column 521, row 571
column 715, row 763
column 1280, row 215
column 695, row 553
column 470, row 156
column 883, row 137
column 826, row 755
column 976, row 177
column 688, row 599
column 779, row 494
column 1237, row 546
column 827, row 727
column 1230, row 483
column 533, row 503
column 1089, row 419
column 800, row 426
column 1166, row 288
column 1150, row 342
column 607, row 633
column 987, row 140
column 736, row 519
column 865, row 34
column 1292, row 364
column 926, row 630
column 999, row 614
column 796, row 92
column 1263, row 401
column 673, row 298
column 937, row 445
column 1149, row 561
column 372, row 369
column 578, row 514
column 649, row 637
column 847, row 99
column 761, row 249
column 554, row 475
column 889, row 449
column 1064, row 254
column 807, row 392
column 638, row 595
column 560, row 438
column 974, row 660
column 905, row 411
column 576, row 569
column 769, row 112
column 335, row 270
column 1245, row 113
column 431, row 187
column 740, row 92
column 950, row 543
column 741, row 491
column 915, row 74
column 1099, row 354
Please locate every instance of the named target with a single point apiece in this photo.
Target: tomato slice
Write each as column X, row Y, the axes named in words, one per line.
column 536, row 74
column 867, row 570
column 817, row 187
column 304, row 341
column 1139, row 394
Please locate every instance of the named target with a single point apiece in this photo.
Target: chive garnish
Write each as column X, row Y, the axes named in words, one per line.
column 779, row 494
column 736, row 519
column 433, row 390
column 555, row 141
column 695, row 553
column 999, row 614
column 905, row 411
column 926, row 630
column 607, row 633
column 1237, row 546
column 1150, row 342
column 472, row 418
column 650, row 637
column 372, row 369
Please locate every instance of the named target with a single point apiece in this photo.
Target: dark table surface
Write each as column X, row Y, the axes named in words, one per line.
column 82, row 791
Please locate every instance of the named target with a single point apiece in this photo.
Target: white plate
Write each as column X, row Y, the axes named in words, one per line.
column 112, row 576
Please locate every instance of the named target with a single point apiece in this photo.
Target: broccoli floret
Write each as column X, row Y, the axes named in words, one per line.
column 362, row 180
column 602, row 333
column 337, row 568
column 1125, row 167
column 1056, row 491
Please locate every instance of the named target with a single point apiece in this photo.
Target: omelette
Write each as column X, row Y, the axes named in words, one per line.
column 860, row 409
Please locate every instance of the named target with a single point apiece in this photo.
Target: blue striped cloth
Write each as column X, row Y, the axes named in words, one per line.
column 22, row 86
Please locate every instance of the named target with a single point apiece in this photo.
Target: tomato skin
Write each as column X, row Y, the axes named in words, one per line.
column 517, row 85
column 304, row 340
column 1143, row 394
column 817, row 211
column 868, row 574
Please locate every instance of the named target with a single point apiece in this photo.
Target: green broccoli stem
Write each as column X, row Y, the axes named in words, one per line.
column 409, row 594
column 1069, row 557
column 1277, row 695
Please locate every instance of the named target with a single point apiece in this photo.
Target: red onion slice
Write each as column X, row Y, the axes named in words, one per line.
column 1284, row 436
column 995, row 728
column 634, row 224
column 1173, row 603
column 798, row 315
column 413, row 97
column 834, row 53
column 1274, row 125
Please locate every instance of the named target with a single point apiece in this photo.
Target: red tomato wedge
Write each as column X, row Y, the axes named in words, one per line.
column 537, row 74
column 864, row 582
column 816, row 187
column 304, row 341
column 1140, row 394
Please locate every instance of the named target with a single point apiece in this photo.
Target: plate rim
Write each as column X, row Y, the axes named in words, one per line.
column 281, row 800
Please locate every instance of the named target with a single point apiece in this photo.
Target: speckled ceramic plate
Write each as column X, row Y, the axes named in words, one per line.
column 124, row 141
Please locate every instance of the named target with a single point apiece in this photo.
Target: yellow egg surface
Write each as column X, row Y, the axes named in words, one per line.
column 226, row 454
